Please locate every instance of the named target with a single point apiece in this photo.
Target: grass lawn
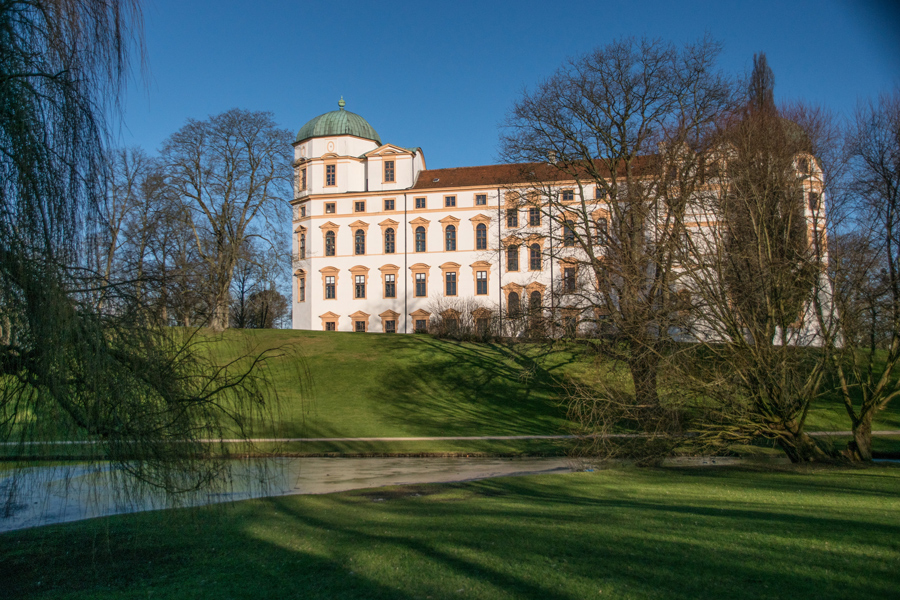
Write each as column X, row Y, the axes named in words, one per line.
column 629, row 533
column 365, row 385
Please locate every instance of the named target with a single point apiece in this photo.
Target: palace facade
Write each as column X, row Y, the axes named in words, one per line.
column 380, row 240
column 383, row 244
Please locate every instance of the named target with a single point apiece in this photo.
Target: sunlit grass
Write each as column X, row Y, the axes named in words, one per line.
column 664, row 533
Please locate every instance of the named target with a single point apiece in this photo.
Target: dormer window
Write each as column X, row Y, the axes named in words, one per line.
column 330, row 175
column 388, row 171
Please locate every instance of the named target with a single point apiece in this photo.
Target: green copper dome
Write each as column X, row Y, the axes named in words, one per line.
column 338, row 122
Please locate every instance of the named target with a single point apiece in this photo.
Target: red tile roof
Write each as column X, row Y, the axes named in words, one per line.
column 500, row 175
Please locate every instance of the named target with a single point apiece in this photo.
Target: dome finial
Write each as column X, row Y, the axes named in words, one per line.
column 341, row 103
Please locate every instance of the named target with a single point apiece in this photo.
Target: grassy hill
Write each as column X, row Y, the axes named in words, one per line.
column 369, row 385
column 365, row 385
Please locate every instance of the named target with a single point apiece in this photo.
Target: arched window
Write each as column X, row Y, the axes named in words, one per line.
column 420, row 239
column 329, row 243
column 389, row 240
column 535, row 257
column 568, row 234
column 512, row 258
column 534, row 303
column 359, row 242
column 481, row 237
column 513, row 304
column 450, row 237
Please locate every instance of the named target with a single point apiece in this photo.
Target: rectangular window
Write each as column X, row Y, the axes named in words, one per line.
column 330, row 174
column 420, row 202
column 390, row 326
column 329, row 287
column 302, row 179
column 568, row 195
column 568, row 234
column 603, row 230
column 359, row 206
column 569, row 279
column 451, row 284
column 359, row 326
column 449, row 201
column 390, row 286
column 813, row 202
column 598, row 193
column 480, row 199
column 329, row 326
column 388, row 204
column 302, row 211
column 329, row 208
column 421, row 285
column 421, row 326
column 481, row 283
column 360, row 291
column 301, row 290
column 388, row 171
column 512, row 217
column 534, row 216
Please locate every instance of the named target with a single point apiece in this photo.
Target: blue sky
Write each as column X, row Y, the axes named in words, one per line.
column 442, row 75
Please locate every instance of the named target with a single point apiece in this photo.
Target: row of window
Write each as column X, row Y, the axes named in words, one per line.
column 331, row 175
column 512, row 261
column 390, row 325
column 482, row 324
column 390, row 240
column 389, row 204
column 421, row 285
column 420, row 288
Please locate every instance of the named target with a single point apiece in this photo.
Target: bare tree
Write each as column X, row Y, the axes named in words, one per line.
column 755, row 258
column 232, row 173
column 627, row 124
column 129, row 168
column 151, row 399
column 866, row 269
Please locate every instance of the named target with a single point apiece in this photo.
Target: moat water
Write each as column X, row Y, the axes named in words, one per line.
column 37, row 496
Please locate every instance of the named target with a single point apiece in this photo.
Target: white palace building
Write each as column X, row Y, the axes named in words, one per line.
column 381, row 242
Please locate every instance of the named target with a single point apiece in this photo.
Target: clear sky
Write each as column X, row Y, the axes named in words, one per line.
column 441, row 75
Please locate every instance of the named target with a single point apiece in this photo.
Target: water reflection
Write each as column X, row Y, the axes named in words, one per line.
column 55, row 494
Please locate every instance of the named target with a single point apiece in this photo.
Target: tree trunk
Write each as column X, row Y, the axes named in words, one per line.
column 644, row 365
column 800, row 448
column 860, row 449
column 220, row 315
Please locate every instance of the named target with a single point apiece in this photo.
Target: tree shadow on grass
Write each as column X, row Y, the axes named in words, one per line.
column 458, row 388
column 632, row 535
